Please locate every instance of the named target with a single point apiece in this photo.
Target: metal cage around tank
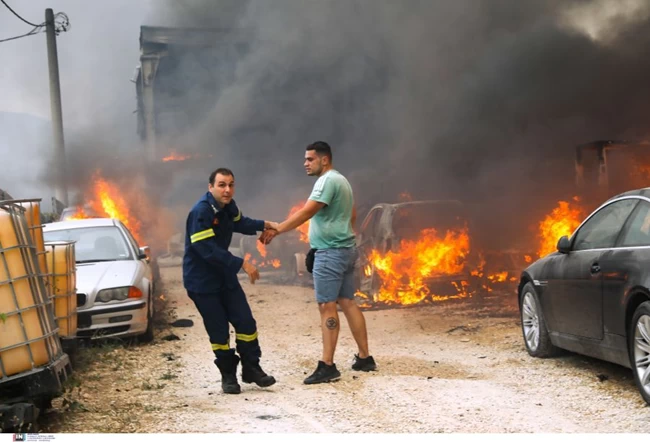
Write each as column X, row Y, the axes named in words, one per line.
column 28, row 331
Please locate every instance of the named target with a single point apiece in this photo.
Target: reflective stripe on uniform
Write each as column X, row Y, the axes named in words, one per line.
column 246, row 338
column 204, row 234
column 238, row 217
column 216, row 347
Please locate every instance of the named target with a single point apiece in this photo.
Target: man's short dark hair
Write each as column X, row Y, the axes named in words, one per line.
column 223, row 171
column 321, row 148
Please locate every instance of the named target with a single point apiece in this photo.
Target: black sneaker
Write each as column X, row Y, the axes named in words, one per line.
column 323, row 373
column 364, row 364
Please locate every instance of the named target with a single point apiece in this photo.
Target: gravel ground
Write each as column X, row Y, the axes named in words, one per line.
column 448, row 367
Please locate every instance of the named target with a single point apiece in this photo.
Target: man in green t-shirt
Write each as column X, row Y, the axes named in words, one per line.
column 332, row 212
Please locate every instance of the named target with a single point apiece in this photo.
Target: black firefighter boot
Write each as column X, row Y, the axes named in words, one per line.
column 253, row 373
column 227, row 365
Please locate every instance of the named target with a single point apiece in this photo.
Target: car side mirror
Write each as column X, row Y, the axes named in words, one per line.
column 564, row 245
column 144, row 253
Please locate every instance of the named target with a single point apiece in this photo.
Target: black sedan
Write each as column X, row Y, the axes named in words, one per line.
column 592, row 296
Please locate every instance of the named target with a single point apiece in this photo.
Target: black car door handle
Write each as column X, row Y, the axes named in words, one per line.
column 595, row 268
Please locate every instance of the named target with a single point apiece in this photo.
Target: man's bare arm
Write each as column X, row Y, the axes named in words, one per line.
column 301, row 216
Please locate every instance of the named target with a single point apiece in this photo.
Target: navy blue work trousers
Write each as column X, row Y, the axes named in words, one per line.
column 229, row 305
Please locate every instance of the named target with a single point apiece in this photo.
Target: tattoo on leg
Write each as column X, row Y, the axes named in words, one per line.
column 331, row 323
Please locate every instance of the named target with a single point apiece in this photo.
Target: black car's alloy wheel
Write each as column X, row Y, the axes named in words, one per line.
column 639, row 345
column 533, row 325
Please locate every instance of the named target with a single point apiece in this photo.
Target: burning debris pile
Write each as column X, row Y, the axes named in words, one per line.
column 441, row 265
column 405, row 274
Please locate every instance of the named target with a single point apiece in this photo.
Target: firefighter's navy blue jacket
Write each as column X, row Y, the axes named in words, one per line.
column 208, row 266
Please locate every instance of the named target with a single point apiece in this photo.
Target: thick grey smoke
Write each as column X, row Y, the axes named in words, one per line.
column 478, row 100
column 482, row 101
column 97, row 58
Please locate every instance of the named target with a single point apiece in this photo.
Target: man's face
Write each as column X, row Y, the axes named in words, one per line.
column 223, row 189
column 314, row 163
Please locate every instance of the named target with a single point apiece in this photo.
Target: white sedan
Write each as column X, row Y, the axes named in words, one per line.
column 115, row 285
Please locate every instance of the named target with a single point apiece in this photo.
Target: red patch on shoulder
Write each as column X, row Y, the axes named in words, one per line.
column 215, row 222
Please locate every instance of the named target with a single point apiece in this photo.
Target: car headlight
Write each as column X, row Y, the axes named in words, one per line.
column 118, row 294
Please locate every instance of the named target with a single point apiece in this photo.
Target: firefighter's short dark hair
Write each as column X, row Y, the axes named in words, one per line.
column 321, row 148
column 223, row 171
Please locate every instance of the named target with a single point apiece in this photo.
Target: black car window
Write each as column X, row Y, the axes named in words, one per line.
column 638, row 232
column 603, row 227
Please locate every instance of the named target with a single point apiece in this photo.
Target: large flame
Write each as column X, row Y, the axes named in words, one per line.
column 304, row 228
column 106, row 201
column 405, row 274
column 563, row 220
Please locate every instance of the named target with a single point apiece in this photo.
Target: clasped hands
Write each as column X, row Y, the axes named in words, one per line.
column 270, row 232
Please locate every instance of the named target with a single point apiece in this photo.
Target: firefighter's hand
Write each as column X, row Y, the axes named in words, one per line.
column 267, row 236
column 252, row 271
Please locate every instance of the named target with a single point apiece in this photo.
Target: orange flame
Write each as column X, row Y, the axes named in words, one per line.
column 106, row 201
column 261, row 248
column 176, row 157
column 563, row 220
column 304, row 228
column 498, row 277
column 478, row 271
column 405, row 273
column 79, row 214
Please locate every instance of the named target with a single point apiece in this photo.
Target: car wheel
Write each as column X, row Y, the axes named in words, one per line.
column 148, row 334
column 639, row 349
column 536, row 337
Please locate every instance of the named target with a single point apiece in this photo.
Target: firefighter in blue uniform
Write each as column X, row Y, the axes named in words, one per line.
column 210, row 278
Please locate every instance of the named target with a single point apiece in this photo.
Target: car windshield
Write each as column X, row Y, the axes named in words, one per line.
column 409, row 220
column 94, row 244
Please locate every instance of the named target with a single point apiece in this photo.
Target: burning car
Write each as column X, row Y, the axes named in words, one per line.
column 414, row 250
column 591, row 296
column 115, row 284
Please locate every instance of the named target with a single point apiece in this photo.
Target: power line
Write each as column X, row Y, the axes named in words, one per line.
column 32, row 32
column 61, row 24
column 16, row 14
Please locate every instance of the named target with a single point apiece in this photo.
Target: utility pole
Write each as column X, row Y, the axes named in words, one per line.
column 55, row 105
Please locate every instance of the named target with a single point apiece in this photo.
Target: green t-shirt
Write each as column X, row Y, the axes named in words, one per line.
column 331, row 227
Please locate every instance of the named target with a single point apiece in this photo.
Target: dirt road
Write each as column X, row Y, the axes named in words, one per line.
column 449, row 367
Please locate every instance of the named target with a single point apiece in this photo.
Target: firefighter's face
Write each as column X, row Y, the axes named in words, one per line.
column 223, row 189
column 314, row 163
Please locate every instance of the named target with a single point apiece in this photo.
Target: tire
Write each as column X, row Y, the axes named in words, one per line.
column 533, row 325
column 638, row 340
column 149, row 333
